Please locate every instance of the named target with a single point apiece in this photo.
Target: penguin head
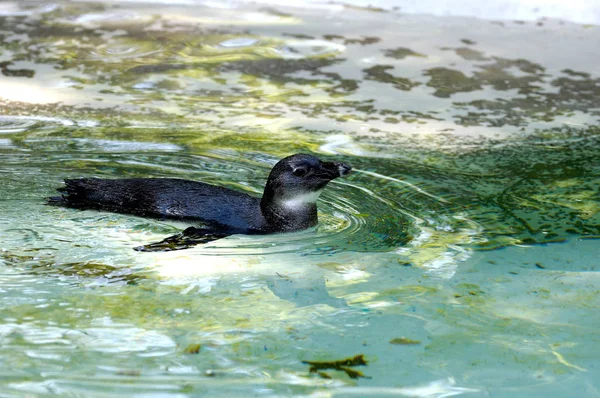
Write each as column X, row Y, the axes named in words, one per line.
column 297, row 180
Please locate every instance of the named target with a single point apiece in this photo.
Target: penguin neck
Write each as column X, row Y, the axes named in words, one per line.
column 289, row 214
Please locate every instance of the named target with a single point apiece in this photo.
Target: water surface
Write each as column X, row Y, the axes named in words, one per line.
column 461, row 257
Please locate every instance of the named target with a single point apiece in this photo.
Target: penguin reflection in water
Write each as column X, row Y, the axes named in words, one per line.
column 288, row 203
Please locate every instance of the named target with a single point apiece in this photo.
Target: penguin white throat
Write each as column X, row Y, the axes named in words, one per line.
column 301, row 200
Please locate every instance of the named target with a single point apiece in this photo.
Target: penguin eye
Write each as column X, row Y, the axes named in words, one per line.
column 299, row 171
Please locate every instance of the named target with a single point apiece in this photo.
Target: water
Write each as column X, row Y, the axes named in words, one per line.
column 460, row 258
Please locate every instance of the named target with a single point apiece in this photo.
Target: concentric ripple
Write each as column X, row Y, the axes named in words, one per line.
column 365, row 212
column 351, row 217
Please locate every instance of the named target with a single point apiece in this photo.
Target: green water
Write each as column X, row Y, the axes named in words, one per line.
column 461, row 256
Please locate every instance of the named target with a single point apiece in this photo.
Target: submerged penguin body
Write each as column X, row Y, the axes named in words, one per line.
column 288, row 203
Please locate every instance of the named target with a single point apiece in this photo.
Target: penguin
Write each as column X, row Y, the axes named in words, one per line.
column 288, row 203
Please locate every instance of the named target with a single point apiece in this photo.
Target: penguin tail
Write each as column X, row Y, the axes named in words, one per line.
column 71, row 194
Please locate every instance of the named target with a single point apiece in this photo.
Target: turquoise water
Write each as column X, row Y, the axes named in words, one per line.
column 460, row 258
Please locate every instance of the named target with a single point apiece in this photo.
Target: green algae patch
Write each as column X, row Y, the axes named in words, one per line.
column 404, row 341
column 380, row 74
column 402, row 52
column 193, row 348
column 344, row 365
column 84, row 272
column 409, row 292
column 129, row 372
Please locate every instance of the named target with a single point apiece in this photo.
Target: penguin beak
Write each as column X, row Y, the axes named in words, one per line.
column 331, row 170
column 343, row 169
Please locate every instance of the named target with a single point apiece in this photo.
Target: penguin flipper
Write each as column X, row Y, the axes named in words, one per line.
column 190, row 237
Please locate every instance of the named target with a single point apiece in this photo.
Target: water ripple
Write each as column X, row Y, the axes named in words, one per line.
column 108, row 19
column 89, row 144
column 117, row 50
column 9, row 124
column 13, row 9
column 245, row 47
column 18, row 124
